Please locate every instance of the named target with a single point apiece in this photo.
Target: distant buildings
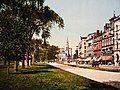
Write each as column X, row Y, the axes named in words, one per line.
column 116, row 27
column 65, row 54
column 97, row 44
column 108, row 43
column 103, row 45
column 90, row 51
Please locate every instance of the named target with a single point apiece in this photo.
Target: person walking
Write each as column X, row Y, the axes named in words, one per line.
column 118, row 61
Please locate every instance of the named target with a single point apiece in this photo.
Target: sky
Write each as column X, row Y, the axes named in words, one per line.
column 81, row 17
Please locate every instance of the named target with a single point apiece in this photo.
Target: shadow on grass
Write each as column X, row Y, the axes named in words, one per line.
column 113, row 83
column 36, row 69
column 46, row 67
column 32, row 72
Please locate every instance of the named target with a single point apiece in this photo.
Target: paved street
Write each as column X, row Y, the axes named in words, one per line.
column 100, row 66
column 110, row 78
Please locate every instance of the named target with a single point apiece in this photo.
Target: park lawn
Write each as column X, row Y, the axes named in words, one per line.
column 46, row 77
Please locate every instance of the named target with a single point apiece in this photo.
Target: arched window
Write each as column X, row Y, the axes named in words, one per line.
column 116, row 35
column 117, row 44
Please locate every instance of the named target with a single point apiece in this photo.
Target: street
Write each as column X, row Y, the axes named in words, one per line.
column 109, row 78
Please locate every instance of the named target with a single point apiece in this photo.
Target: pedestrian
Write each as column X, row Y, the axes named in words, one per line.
column 113, row 60
column 117, row 59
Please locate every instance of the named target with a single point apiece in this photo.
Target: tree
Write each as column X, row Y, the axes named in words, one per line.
column 38, row 19
column 34, row 16
column 12, row 39
column 36, row 49
column 52, row 52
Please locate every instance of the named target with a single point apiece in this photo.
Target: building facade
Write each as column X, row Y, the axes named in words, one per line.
column 89, row 42
column 116, row 26
column 108, row 44
column 97, row 44
column 103, row 45
column 82, row 47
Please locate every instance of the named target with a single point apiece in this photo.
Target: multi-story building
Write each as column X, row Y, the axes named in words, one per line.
column 116, row 26
column 82, row 47
column 89, row 52
column 97, row 44
column 104, row 44
column 107, row 43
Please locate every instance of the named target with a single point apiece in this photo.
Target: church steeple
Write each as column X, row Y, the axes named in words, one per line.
column 67, row 48
column 67, row 44
column 114, row 14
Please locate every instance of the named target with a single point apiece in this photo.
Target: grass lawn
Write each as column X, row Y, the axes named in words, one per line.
column 46, row 77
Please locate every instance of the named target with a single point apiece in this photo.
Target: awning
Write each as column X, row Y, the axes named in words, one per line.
column 106, row 57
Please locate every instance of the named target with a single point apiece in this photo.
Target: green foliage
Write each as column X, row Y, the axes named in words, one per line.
column 52, row 52
column 23, row 18
column 12, row 38
column 38, row 55
column 45, row 77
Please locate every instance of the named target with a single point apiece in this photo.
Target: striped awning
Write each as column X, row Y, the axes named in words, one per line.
column 106, row 57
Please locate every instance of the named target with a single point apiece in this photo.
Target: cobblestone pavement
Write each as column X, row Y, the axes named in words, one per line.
column 110, row 78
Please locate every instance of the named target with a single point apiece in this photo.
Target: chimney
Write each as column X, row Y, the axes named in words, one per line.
column 97, row 32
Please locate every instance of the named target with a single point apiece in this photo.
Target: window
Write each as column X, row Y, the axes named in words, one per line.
column 89, row 44
column 116, row 27
column 117, row 44
column 89, row 55
column 113, row 41
column 110, row 40
column 116, row 35
column 84, row 55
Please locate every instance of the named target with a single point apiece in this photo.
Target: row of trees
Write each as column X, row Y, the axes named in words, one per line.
column 42, row 52
column 19, row 20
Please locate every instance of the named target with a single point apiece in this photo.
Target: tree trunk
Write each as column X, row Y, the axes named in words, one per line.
column 8, row 67
column 23, row 64
column 16, row 66
column 28, row 57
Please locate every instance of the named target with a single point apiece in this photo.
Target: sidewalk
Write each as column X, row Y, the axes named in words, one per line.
column 100, row 66
column 110, row 78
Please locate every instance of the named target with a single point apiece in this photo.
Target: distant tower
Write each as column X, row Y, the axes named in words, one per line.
column 67, row 44
column 67, row 48
column 114, row 14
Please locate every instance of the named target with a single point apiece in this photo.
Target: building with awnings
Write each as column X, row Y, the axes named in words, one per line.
column 89, row 52
column 97, row 43
column 108, row 44
column 82, row 47
column 107, row 57
column 116, row 26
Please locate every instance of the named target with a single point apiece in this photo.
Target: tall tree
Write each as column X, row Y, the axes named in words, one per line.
column 12, row 39
column 35, row 17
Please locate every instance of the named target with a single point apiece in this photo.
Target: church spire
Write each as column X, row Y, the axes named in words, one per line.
column 67, row 42
column 114, row 14
column 67, row 49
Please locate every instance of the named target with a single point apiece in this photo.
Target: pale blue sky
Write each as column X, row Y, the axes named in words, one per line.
column 81, row 17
